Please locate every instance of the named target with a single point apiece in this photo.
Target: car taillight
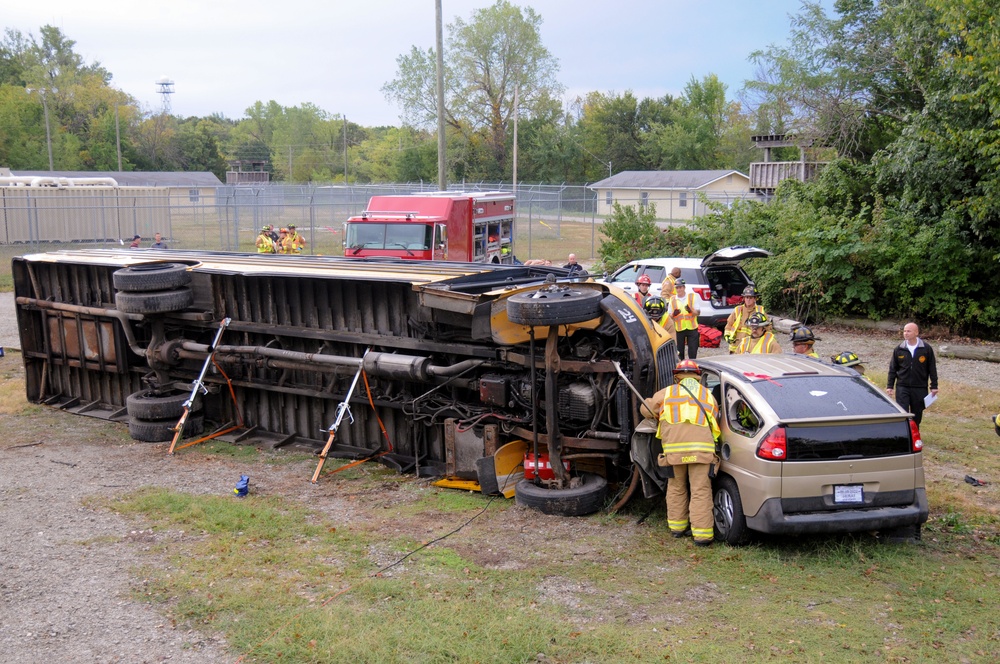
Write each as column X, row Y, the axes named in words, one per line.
column 774, row 445
column 915, row 442
column 704, row 293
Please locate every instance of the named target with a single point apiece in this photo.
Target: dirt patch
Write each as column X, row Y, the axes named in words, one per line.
column 68, row 579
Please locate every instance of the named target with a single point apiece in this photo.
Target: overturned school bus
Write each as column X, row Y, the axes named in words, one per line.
column 461, row 362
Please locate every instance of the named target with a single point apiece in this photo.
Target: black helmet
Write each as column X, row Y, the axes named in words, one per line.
column 846, row 359
column 803, row 334
column 750, row 291
column 655, row 306
column 758, row 319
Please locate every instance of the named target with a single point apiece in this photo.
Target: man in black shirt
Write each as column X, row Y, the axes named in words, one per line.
column 911, row 366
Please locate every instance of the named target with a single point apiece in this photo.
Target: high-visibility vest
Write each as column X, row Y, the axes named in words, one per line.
column 296, row 242
column 684, row 321
column 765, row 343
column 267, row 247
column 739, row 327
column 679, row 407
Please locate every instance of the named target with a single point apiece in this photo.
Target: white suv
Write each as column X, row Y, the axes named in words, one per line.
column 717, row 279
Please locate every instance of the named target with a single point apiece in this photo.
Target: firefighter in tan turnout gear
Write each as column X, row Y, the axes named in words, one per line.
column 688, row 429
column 736, row 325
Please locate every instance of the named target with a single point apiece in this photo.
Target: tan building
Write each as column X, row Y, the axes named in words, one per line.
column 676, row 194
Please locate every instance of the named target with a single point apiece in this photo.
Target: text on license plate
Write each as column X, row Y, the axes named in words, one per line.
column 848, row 493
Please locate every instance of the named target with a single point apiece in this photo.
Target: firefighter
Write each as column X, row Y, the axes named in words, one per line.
column 265, row 245
column 283, row 245
column 761, row 339
column 849, row 359
column 296, row 241
column 688, row 429
column 642, row 283
column 736, row 325
column 802, row 339
column 685, row 312
column 667, row 287
column 655, row 308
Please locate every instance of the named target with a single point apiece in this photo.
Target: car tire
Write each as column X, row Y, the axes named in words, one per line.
column 160, row 431
column 148, row 405
column 151, row 277
column 561, row 306
column 579, row 501
column 156, row 302
column 727, row 510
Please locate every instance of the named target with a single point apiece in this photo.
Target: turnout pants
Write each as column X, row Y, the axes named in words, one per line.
column 698, row 508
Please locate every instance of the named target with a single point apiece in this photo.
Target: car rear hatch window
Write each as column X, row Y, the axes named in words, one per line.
column 813, row 396
column 847, row 441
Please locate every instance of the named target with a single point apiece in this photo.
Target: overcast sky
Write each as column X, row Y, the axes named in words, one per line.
column 223, row 55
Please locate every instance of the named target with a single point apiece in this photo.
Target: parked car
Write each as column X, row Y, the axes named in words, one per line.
column 809, row 448
column 717, row 279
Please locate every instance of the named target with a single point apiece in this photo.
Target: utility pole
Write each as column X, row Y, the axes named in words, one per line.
column 118, row 139
column 442, row 176
column 514, row 174
column 345, row 149
column 42, row 92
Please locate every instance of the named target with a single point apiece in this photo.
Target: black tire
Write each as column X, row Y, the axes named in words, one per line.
column 159, row 431
column 156, row 302
column 727, row 509
column 147, row 405
column 560, row 306
column 582, row 500
column 151, row 277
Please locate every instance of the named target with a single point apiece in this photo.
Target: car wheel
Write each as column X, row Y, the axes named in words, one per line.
column 148, row 405
column 578, row 501
column 557, row 306
column 151, row 277
column 156, row 302
column 161, row 431
column 727, row 509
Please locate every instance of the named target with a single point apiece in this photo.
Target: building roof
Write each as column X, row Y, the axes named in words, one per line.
column 136, row 178
column 662, row 179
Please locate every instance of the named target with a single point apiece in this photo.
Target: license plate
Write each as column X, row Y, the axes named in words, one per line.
column 848, row 493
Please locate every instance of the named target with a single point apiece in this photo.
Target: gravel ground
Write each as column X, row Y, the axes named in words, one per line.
column 68, row 570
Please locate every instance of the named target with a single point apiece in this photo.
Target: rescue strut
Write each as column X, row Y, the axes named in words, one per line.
column 199, row 384
column 343, row 409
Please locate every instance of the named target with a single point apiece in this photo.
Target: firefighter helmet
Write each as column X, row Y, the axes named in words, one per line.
column 654, row 307
column 644, row 279
column 283, row 230
column 291, row 226
column 802, row 335
column 750, row 291
column 996, row 423
column 265, row 228
column 758, row 319
column 687, row 366
column 846, row 359
column 680, row 283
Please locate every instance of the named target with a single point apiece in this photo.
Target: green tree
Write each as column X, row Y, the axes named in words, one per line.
column 497, row 52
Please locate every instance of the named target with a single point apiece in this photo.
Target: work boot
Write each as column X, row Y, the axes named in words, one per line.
column 703, row 542
column 677, row 534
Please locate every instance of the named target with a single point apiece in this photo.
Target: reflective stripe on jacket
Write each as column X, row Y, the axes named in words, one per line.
column 766, row 343
column 683, row 426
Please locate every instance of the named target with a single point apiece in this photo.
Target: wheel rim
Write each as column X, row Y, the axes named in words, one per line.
column 723, row 511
